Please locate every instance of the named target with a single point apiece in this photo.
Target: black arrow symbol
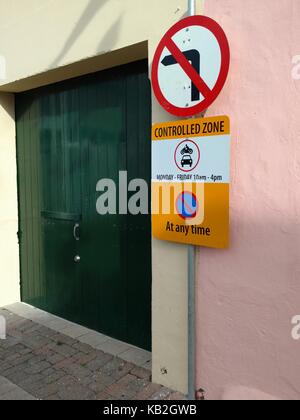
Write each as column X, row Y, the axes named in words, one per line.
column 194, row 57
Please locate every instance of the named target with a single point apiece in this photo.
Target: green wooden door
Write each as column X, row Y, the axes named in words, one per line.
column 69, row 136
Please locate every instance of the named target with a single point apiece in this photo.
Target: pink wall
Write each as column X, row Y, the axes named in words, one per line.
column 248, row 295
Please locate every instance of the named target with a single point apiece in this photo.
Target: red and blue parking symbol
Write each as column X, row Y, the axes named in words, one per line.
column 187, row 205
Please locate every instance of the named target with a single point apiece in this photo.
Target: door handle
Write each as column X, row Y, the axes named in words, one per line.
column 75, row 234
column 77, row 259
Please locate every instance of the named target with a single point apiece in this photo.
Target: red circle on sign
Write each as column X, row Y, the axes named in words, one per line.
column 211, row 95
column 175, row 155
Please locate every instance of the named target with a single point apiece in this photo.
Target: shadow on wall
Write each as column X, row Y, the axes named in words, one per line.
column 89, row 13
column 6, row 104
column 111, row 35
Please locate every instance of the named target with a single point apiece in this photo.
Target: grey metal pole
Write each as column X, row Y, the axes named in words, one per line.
column 191, row 324
column 191, row 294
column 192, row 7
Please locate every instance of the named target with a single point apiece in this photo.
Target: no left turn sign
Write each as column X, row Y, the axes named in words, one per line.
column 190, row 66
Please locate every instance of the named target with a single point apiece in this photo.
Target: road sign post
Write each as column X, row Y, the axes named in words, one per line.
column 189, row 70
column 192, row 287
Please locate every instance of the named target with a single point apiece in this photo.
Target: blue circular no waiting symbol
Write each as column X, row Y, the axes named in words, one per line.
column 187, row 205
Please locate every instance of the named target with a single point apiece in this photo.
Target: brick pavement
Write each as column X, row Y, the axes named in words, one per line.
column 37, row 362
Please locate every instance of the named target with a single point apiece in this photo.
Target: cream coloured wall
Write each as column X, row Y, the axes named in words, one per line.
column 42, row 35
column 9, row 252
column 45, row 41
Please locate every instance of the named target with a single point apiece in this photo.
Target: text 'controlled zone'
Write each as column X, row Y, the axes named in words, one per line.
column 180, row 129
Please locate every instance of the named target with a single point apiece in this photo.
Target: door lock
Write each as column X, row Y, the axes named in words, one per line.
column 77, row 259
column 75, row 232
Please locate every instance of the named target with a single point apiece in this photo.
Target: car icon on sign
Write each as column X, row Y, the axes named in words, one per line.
column 186, row 161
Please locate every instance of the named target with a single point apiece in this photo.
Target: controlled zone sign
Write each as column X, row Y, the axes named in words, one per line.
column 190, row 181
column 190, row 66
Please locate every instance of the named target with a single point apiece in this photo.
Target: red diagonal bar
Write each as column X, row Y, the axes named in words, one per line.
column 187, row 207
column 188, row 69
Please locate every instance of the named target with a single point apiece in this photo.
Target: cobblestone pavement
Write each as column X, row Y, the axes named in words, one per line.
column 37, row 362
column 9, row 391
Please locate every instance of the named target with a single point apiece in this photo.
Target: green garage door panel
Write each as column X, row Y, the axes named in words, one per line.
column 69, row 136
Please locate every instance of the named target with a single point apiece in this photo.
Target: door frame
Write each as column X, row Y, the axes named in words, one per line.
column 169, row 261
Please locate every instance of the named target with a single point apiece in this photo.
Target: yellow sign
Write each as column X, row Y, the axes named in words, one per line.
column 190, row 181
